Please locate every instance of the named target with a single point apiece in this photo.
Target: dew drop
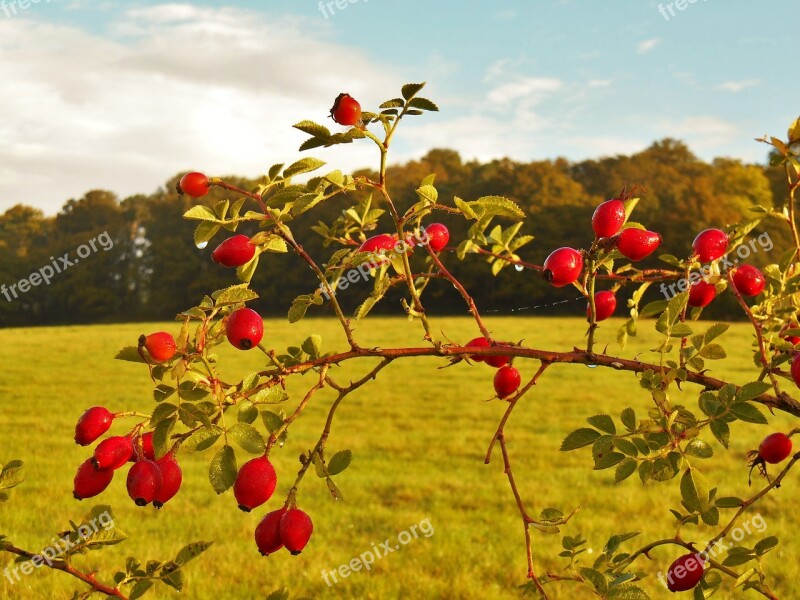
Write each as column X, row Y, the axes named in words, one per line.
column 519, row 268
column 202, row 245
column 592, row 366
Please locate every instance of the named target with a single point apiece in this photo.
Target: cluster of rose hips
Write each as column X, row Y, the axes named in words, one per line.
column 149, row 480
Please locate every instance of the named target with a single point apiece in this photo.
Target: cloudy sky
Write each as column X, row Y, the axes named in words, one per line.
column 123, row 95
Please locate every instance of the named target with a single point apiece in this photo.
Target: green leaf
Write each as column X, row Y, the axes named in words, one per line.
column 627, row 447
column 627, row 592
column 313, row 346
column 721, row 431
column 423, row 104
column 192, row 551
column 765, row 545
column 248, row 438
column 728, row 502
column 235, row 294
column 248, row 413
column 282, row 594
column 747, row 412
column 140, row 589
column 712, row 352
column 339, row 462
column 609, row 460
column 699, row 448
column 313, row 129
column 596, row 578
column 411, row 89
column 750, row 391
column 12, row 474
column 694, row 490
column 628, row 418
column 299, row 307
column 161, row 412
column 625, row 469
column 498, row 206
column 161, row 435
column 716, row 330
column 603, row 423
column 204, row 232
column 272, row 421
column 200, row 213
column 162, row 392
column 305, row 165
column 579, row 438
column 203, row 439
column 222, row 471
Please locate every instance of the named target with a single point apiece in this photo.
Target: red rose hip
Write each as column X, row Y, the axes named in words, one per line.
column 112, row 452
column 92, row 424
column 255, row 483
column 90, row 482
column 171, row 480
column 234, row 252
column 605, row 303
column 346, row 110
column 480, row 342
column 637, row 244
column 144, row 482
column 295, row 530
column 701, row 293
column 506, row 381
column 709, row 245
column 685, row 573
column 608, row 218
column 244, row 328
column 775, row 448
column 563, row 267
column 160, row 346
column 194, row 184
column 438, row 235
column 748, row 280
column 268, row 536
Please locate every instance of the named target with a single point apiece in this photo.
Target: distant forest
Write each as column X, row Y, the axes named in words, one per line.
column 154, row 270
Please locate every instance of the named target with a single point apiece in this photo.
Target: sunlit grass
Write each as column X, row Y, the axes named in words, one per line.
column 419, row 435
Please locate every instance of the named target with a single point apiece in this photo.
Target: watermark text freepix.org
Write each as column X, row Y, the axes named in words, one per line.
column 59, row 546
column 330, row 6
column 756, row 524
column 10, row 8
column 366, row 559
column 743, row 251
column 421, row 238
column 670, row 7
column 46, row 274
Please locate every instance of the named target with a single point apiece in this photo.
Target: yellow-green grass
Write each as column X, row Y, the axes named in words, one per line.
column 418, row 434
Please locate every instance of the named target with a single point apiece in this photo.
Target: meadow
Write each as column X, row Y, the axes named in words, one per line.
column 418, row 435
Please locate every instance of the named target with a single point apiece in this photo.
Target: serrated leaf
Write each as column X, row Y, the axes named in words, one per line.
column 248, row 438
column 747, row 412
column 235, row 294
column 627, row 592
column 625, row 469
column 204, row 232
column 305, row 165
column 161, row 434
column 161, row 412
column 200, row 213
column 694, row 490
column 272, row 421
column 749, row 391
column 596, row 578
column 721, row 431
column 140, row 589
column 423, row 104
column 313, row 129
column 728, row 502
column 410, row 90
column 712, row 352
column 222, row 470
column 191, row 551
column 312, row 346
column 579, row 438
column 339, row 462
column 203, row 439
column 765, row 545
column 603, row 423
column 12, row 474
column 609, row 460
column 628, row 418
column 699, row 448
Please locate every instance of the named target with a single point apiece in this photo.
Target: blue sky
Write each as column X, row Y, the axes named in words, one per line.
column 123, row 95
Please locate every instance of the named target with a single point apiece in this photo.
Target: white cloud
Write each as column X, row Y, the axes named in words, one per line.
column 647, row 45
column 737, row 86
column 188, row 88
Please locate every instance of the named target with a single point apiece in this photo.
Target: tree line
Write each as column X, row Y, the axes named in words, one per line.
column 134, row 259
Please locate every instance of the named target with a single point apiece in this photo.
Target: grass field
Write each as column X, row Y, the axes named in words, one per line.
column 418, row 435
